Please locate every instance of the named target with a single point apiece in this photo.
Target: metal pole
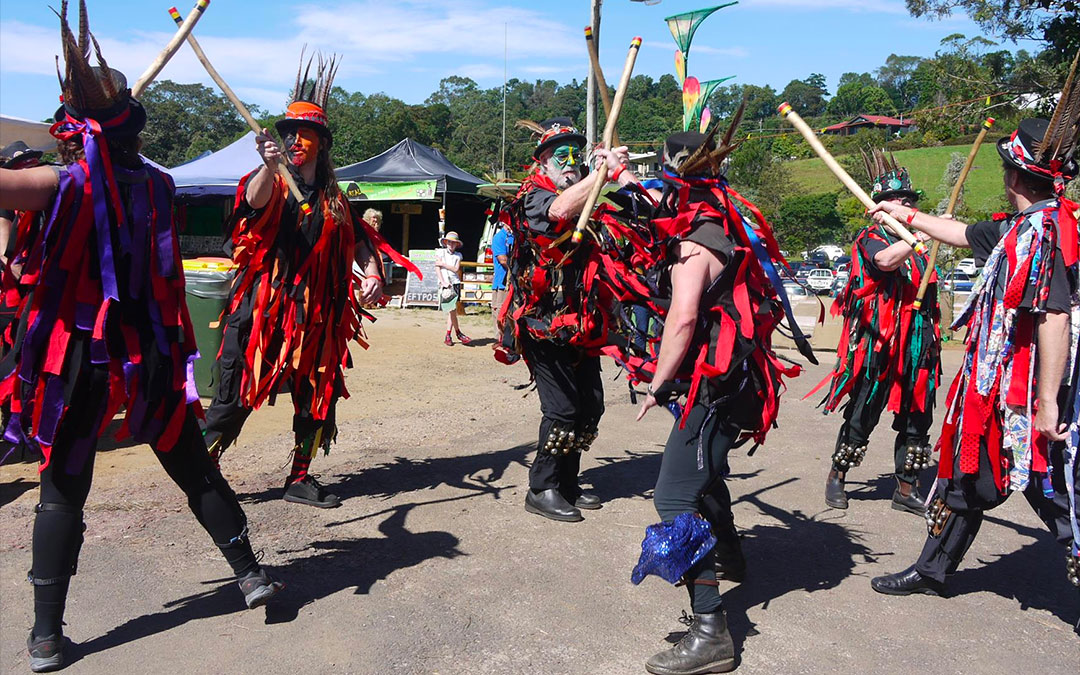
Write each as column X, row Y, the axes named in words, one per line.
column 590, row 97
column 502, row 155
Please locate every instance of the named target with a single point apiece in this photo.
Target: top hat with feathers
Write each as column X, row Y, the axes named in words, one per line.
column 309, row 96
column 17, row 154
column 96, row 92
column 888, row 179
column 553, row 133
column 1048, row 148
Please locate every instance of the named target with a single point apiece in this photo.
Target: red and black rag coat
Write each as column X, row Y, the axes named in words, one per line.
column 296, row 274
column 103, row 323
column 889, row 351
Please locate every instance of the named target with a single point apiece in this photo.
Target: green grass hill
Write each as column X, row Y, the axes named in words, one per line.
column 983, row 190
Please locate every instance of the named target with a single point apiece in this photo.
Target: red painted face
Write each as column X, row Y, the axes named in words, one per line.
column 306, row 146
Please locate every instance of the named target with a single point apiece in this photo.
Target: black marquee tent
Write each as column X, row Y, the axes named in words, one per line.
column 408, row 162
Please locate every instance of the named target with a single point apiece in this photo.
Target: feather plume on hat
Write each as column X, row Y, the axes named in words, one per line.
column 83, row 86
column 1063, row 132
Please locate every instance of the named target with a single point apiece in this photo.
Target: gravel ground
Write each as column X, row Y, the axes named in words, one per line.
column 431, row 565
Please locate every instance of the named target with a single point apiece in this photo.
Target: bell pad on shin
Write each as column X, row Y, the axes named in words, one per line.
column 918, row 457
column 937, row 516
column 1072, row 569
column 848, row 456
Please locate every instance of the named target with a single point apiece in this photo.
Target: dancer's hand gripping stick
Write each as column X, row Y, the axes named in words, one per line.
column 811, row 138
column 282, row 170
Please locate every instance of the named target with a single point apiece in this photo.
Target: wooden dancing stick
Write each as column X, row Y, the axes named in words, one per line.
column 953, row 198
column 609, row 131
column 170, row 49
column 808, row 133
column 601, row 84
column 282, row 170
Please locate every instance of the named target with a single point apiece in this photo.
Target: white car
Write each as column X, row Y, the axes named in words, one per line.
column 830, row 250
column 820, row 280
column 967, row 266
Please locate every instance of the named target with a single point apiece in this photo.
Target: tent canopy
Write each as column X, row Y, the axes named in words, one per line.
column 35, row 134
column 219, row 173
column 409, row 162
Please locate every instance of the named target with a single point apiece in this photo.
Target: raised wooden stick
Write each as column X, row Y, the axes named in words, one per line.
column 609, row 131
column 282, row 170
column 601, row 84
column 808, row 133
column 953, row 198
column 170, row 49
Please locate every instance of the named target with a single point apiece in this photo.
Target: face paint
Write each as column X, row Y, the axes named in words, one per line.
column 564, row 166
column 305, row 148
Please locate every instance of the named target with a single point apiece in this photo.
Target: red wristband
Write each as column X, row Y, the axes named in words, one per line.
column 912, row 216
column 618, row 172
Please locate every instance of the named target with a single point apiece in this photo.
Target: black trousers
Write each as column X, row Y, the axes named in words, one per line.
column 65, row 485
column 970, row 497
column 862, row 414
column 571, row 392
column 681, row 486
column 226, row 416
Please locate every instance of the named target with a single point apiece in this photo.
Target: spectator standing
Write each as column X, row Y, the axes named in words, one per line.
column 501, row 244
column 448, row 265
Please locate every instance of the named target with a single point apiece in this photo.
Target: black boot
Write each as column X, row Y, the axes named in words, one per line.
column 834, row 491
column 46, row 653
column 911, row 502
column 309, row 491
column 908, row 582
column 550, row 504
column 258, row 587
column 706, row 648
column 587, row 501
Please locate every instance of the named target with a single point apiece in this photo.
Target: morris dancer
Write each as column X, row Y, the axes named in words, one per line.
column 889, row 353
column 551, row 315
column 293, row 307
column 104, row 325
column 1011, row 418
column 714, row 287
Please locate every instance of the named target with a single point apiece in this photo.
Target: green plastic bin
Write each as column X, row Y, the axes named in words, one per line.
column 207, row 283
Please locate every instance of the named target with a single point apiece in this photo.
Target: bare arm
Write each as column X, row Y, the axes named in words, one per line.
column 371, row 285
column 891, row 258
column 27, row 189
column 1053, row 346
column 690, row 276
column 260, row 187
column 945, row 230
column 571, row 201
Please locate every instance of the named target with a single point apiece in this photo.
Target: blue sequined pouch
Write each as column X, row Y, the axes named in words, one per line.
column 669, row 550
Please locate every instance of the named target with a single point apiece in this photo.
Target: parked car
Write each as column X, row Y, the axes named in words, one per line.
column 967, row 266
column 795, row 291
column 802, row 273
column 820, row 281
column 842, row 268
column 839, row 283
column 831, row 251
column 958, row 282
column 821, row 258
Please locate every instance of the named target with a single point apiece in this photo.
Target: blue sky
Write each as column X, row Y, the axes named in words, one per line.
column 404, row 47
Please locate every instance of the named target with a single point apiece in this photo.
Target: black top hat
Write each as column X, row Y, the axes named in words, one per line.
column 679, row 146
column 558, row 131
column 125, row 117
column 1018, row 151
column 16, row 154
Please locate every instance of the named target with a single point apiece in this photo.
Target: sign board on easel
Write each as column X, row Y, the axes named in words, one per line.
column 422, row 292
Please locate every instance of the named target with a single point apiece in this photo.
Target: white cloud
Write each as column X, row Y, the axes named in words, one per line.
column 372, row 37
column 868, row 6
column 735, row 52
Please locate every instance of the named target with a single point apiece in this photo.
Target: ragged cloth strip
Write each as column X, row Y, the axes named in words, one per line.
column 306, row 309
column 885, row 342
column 106, row 289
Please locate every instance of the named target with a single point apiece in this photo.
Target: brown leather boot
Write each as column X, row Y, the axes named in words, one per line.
column 706, row 648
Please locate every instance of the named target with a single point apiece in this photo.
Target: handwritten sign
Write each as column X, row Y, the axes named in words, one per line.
column 425, row 292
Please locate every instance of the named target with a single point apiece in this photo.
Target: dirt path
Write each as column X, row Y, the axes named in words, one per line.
column 432, row 565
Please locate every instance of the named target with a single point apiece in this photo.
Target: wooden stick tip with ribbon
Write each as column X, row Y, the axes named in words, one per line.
column 988, row 123
column 174, row 13
column 588, row 32
column 636, row 42
column 784, row 109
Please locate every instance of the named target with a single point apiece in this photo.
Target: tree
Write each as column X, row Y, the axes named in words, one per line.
column 1052, row 21
column 806, row 221
column 895, row 77
column 187, row 120
column 807, row 96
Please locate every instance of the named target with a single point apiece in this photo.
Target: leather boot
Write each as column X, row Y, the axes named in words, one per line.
column 550, row 504
column 834, row 491
column 907, row 582
column 706, row 648
column 911, row 502
column 587, row 500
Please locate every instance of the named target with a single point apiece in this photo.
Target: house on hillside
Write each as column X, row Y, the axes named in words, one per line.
column 860, row 122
